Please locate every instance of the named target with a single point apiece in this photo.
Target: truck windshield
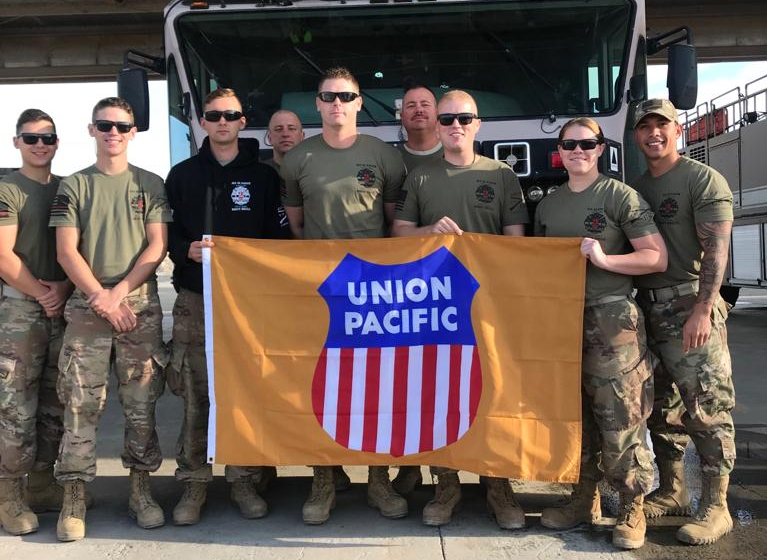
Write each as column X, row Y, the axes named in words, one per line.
column 518, row 58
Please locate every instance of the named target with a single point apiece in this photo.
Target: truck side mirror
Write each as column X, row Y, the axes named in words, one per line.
column 133, row 87
column 682, row 80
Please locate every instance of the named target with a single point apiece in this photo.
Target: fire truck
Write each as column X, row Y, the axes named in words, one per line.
column 729, row 133
column 530, row 64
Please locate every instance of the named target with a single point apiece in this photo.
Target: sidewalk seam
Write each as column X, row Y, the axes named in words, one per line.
column 442, row 543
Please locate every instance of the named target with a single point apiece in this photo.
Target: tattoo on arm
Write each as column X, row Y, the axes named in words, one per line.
column 714, row 237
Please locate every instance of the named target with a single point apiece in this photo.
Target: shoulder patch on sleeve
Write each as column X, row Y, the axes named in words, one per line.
column 60, row 205
column 4, row 210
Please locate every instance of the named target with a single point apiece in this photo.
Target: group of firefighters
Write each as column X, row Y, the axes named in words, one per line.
column 78, row 298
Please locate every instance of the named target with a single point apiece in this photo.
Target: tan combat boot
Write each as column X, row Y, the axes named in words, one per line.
column 322, row 499
column 671, row 497
column 712, row 520
column 341, row 479
column 44, row 494
column 382, row 496
column 447, row 499
column 503, row 505
column 408, row 479
column 187, row 511
column 583, row 507
column 141, row 505
column 71, row 525
column 252, row 506
column 631, row 525
column 15, row 516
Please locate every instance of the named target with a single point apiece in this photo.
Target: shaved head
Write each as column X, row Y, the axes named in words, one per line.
column 459, row 96
column 278, row 116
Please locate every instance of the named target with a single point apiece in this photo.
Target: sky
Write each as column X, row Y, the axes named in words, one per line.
column 70, row 106
column 713, row 79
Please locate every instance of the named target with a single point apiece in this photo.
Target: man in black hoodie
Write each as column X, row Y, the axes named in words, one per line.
column 223, row 190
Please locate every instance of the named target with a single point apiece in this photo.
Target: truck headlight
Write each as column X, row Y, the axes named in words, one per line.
column 535, row 193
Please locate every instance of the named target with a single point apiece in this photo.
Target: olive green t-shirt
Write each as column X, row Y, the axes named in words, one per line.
column 481, row 198
column 608, row 211
column 111, row 212
column 26, row 204
column 342, row 191
column 689, row 193
column 414, row 159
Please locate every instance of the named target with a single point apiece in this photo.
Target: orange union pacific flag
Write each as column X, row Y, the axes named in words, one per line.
column 457, row 351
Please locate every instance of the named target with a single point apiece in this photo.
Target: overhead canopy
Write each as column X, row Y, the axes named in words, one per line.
column 72, row 40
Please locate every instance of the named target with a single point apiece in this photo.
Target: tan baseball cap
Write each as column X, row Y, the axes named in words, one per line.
column 662, row 107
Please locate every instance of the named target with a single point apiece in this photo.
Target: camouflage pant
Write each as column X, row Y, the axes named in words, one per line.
column 91, row 345
column 30, row 411
column 694, row 391
column 188, row 378
column 617, row 396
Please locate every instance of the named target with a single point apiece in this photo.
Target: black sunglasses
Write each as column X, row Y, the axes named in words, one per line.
column 446, row 119
column 587, row 144
column 229, row 115
column 30, row 138
column 106, row 126
column 344, row 96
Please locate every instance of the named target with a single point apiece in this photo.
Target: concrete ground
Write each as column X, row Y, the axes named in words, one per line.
column 356, row 531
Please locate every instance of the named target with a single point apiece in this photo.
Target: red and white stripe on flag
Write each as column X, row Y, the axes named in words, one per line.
column 397, row 400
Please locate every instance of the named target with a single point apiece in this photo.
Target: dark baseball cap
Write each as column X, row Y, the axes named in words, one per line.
column 661, row 107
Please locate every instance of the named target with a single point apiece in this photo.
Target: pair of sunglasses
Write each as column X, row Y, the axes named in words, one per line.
column 106, row 126
column 30, row 138
column 587, row 144
column 446, row 119
column 229, row 115
column 344, row 96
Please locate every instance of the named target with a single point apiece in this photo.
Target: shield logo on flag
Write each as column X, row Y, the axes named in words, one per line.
column 399, row 372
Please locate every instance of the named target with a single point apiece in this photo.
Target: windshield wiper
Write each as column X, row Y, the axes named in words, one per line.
column 528, row 69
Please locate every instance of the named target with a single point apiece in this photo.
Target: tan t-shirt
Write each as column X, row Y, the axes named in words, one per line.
column 342, row 191
column 414, row 159
column 481, row 198
column 27, row 204
column 609, row 211
column 689, row 193
column 111, row 212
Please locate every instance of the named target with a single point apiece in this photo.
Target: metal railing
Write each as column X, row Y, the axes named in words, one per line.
column 732, row 110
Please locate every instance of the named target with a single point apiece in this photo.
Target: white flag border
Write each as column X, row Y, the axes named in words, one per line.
column 207, row 294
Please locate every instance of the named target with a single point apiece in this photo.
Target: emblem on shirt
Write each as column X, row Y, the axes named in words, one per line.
column 595, row 222
column 60, row 205
column 137, row 203
column 240, row 195
column 485, row 193
column 366, row 177
column 398, row 332
column 668, row 208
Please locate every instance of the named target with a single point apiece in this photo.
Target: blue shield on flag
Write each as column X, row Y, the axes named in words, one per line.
column 399, row 372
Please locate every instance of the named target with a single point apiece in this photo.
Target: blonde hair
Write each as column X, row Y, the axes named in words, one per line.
column 220, row 93
column 457, row 94
column 585, row 122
